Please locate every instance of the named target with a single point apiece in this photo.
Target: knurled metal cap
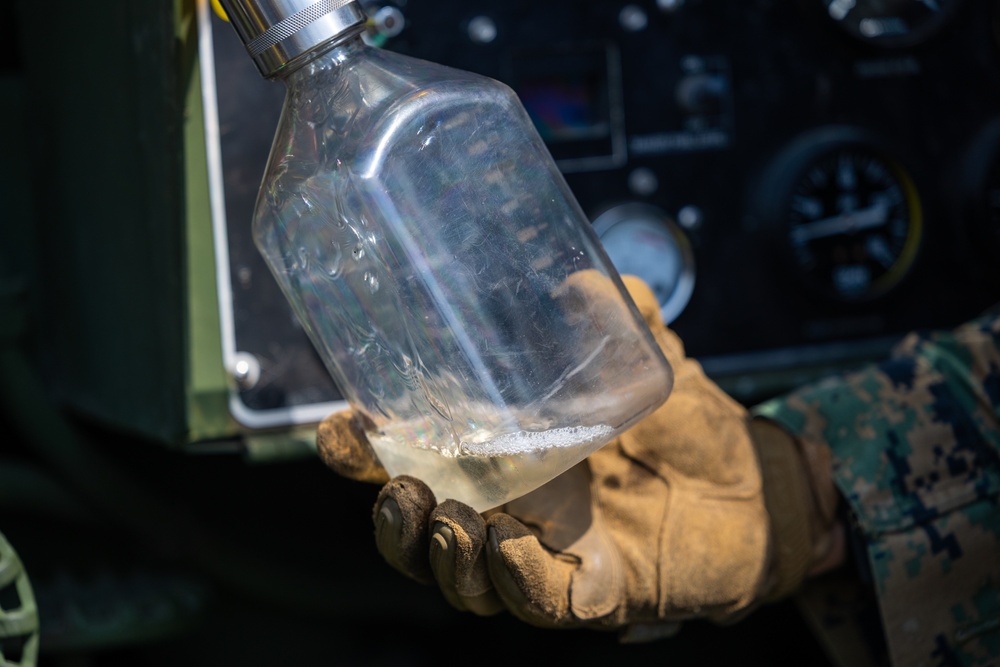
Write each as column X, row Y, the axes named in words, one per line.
column 276, row 32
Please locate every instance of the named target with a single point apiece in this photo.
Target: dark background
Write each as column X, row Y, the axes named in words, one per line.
column 149, row 544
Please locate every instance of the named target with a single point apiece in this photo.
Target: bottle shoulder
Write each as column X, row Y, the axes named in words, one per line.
column 374, row 82
column 383, row 102
column 444, row 113
column 383, row 112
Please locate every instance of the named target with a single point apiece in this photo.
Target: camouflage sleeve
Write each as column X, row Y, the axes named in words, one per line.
column 915, row 443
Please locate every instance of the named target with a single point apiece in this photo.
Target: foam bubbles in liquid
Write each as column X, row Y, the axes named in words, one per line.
column 525, row 442
column 487, row 474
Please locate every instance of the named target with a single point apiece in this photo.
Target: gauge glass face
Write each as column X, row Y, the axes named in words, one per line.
column 891, row 22
column 641, row 249
column 853, row 224
column 646, row 244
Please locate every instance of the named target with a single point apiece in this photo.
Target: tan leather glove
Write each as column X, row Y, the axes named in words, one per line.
column 668, row 522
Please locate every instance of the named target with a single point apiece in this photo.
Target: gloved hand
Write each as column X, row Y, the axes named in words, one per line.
column 697, row 511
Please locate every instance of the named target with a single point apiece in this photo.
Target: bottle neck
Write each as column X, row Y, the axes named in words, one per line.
column 324, row 57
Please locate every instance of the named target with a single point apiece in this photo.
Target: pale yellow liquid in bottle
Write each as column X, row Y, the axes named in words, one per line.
column 488, row 474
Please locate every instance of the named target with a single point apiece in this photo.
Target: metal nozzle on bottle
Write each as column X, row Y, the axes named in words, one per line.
column 279, row 33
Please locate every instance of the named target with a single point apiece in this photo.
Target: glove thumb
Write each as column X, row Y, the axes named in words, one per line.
column 344, row 447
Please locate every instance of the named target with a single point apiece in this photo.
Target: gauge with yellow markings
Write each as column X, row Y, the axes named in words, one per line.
column 849, row 216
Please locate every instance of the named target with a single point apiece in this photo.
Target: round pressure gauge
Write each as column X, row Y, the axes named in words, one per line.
column 848, row 215
column 643, row 241
column 891, row 23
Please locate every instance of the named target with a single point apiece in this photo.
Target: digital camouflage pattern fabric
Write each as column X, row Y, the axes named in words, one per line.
column 916, row 448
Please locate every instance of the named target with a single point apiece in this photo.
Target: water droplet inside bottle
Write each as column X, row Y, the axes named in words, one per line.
column 332, row 262
column 358, row 252
column 372, row 280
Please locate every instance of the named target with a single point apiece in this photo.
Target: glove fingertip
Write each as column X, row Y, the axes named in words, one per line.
column 466, row 532
column 401, row 516
column 649, row 307
column 533, row 585
column 461, row 516
column 457, row 542
column 506, row 527
column 516, row 550
column 644, row 299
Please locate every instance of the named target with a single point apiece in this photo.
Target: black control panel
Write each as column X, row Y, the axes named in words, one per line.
column 801, row 182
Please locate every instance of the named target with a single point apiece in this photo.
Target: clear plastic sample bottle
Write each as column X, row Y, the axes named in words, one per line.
column 441, row 266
